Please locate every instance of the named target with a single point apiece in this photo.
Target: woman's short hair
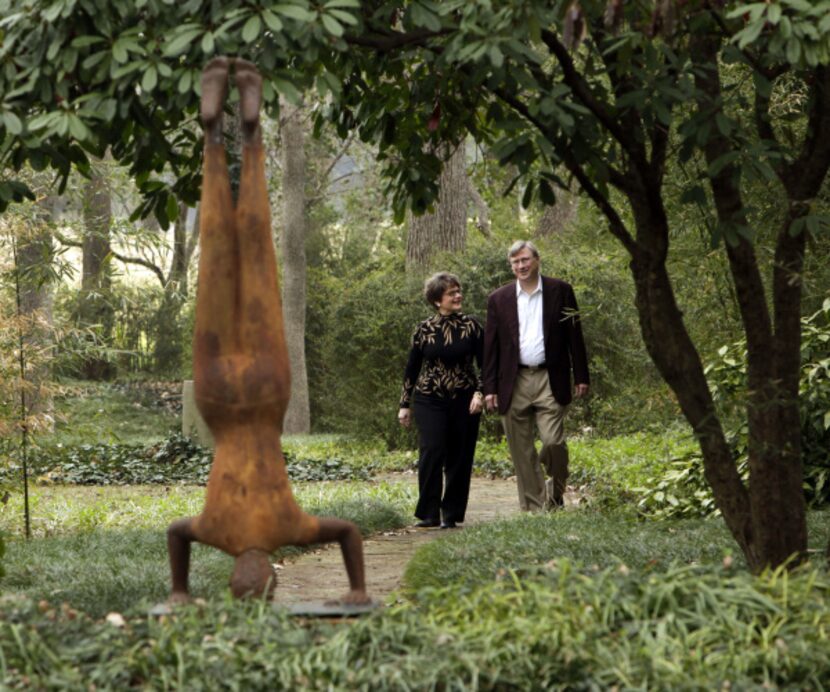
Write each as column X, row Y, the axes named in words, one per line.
column 520, row 245
column 437, row 284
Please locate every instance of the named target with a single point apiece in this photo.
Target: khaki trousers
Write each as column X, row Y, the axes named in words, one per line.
column 532, row 406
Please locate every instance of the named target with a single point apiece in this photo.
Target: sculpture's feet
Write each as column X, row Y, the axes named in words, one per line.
column 249, row 83
column 214, row 92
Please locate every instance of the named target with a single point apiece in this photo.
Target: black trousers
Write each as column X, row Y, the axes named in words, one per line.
column 447, row 435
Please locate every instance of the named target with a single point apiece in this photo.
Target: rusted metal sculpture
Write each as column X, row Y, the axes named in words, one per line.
column 241, row 368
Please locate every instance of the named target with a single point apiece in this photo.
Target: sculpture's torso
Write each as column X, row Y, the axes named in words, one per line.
column 249, row 503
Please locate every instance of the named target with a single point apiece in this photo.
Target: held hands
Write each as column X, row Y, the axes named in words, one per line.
column 404, row 417
column 580, row 390
column 491, row 402
column 476, row 404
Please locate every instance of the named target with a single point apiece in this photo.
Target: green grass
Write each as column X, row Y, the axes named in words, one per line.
column 87, row 413
column 102, row 550
column 687, row 628
column 597, row 540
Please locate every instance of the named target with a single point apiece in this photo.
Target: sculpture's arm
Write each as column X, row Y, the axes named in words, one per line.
column 179, row 537
column 351, row 544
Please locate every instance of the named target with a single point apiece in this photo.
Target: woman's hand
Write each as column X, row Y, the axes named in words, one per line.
column 404, row 417
column 476, row 404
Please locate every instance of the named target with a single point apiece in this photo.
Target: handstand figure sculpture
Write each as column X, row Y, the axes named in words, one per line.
column 241, row 368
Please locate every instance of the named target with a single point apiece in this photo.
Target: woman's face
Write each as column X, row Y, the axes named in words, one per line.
column 450, row 300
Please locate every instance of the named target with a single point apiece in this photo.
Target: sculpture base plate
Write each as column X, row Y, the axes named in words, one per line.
column 304, row 609
column 328, row 609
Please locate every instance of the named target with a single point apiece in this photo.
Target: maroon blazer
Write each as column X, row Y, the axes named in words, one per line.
column 564, row 345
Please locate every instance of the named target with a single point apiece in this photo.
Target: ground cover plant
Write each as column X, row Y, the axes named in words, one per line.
column 592, row 539
column 551, row 627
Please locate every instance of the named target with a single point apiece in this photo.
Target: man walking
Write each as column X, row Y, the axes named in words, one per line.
column 532, row 343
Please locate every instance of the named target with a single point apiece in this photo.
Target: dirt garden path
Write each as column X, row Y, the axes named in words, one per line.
column 319, row 575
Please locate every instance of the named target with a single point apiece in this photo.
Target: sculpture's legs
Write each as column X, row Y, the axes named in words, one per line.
column 261, row 324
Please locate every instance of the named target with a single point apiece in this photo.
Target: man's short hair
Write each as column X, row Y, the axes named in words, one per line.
column 437, row 284
column 520, row 245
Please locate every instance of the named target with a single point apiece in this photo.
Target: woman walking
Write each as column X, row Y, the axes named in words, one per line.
column 442, row 388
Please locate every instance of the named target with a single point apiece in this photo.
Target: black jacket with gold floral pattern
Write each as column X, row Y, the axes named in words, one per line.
column 443, row 350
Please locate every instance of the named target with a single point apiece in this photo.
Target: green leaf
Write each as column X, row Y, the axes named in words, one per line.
column 119, row 52
column 527, row 197
column 721, row 162
column 496, row 56
column 300, row 14
column 53, row 50
column 43, row 121
column 793, row 50
column 750, row 33
column 774, row 14
column 343, row 17
column 86, row 41
column 180, row 42
column 355, row 4
column 172, row 207
column 724, row 124
column 331, row 25
column 288, row 90
column 124, row 70
column 693, row 195
column 77, row 128
column 208, row 43
column 185, row 82
column 252, row 29
column 546, row 193
column 52, row 13
column 149, row 80
column 12, row 123
column 62, row 124
column 272, row 21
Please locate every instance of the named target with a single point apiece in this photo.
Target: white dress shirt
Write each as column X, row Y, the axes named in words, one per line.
column 531, row 329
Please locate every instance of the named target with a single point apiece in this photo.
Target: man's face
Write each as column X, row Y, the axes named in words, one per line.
column 525, row 266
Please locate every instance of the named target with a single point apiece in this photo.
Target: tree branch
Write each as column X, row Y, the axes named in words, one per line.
column 806, row 174
column 393, row 40
column 121, row 258
column 764, row 127
column 142, row 263
column 616, row 224
column 580, row 89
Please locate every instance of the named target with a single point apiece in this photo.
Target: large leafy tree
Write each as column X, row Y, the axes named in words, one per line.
column 613, row 92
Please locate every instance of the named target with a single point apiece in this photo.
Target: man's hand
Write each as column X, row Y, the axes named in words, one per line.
column 404, row 417
column 491, row 402
column 580, row 390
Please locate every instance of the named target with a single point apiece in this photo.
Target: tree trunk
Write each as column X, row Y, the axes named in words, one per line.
column 445, row 228
column 298, row 415
column 558, row 217
column 95, row 306
column 776, row 498
column 169, row 340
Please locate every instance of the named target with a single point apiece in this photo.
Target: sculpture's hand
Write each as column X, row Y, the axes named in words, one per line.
column 179, row 598
column 355, row 597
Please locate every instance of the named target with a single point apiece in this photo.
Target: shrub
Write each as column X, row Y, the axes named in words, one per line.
column 176, row 459
column 557, row 628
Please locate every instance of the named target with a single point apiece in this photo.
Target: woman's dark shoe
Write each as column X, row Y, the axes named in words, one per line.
column 448, row 525
column 427, row 524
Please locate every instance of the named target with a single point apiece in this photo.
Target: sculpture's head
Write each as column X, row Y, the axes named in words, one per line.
column 253, row 575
